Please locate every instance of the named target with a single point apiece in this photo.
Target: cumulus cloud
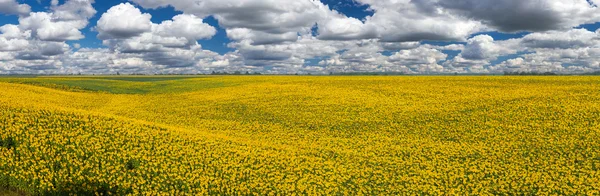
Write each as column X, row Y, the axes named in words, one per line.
column 405, row 21
column 573, row 60
column 417, row 20
column 13, row 39
column 338, row 27
column 571, row 51
column 186, row 26
column 279, row 33
column 258, row 37
column 12, row 44
column 13, row 7
column 400, row 45
column 261, row 17
column 574, row 38
column 124, row 28
column 421, row 55
column 63, row 23
column 37, row 43
column 41, row 35
column 483, row 47
column 41, row 24
column 478, row 53
column 269, row 16
column 123, row 21
column 275, row 36
column 74, row 10
column 518, row 15
column 367, row 57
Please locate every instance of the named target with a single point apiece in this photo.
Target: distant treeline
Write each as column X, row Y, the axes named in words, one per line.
column 235, row 73
column 213, row 73
column 516, row 73
column 367, row 73
column 593, row 73
column 545, row 73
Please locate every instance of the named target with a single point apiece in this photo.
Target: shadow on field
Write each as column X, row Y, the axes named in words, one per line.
column 10, row 192
column 78, row 188
column 87, row 189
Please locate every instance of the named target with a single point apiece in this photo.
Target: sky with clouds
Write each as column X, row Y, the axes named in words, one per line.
column 299, row 36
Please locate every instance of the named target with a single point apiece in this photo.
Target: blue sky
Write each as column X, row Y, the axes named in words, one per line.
column 350, row 35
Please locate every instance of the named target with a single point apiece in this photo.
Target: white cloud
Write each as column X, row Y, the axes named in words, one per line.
column 455, row 47
column 258, row 37
column 574, row 60
column 405, row 20
column 139, row 34
column 338, row 27
column 272, row 16
column 12, row 44
column 41, row 24
column 123, row 21
column 13, row 39
column 416, row 20
column 574, row 38
column 74, row 10
column 267, row 21
column 62, row 24
column 518, row 15
column 575, row 50
column 13, row 7
column 13, row 31
column 187, row 26
column 37, row 43
column 367, row 57
column 400, row 45
column 278, row 36
column 479, row 52
column 42, row 50
column 278, row 33
column 483, row 47
column 420, row 60
column 418, row 56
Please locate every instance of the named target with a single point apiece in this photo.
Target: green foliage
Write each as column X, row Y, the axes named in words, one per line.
column 124, row 84
column 132, row 164
column 142, row 78
column 8, row 142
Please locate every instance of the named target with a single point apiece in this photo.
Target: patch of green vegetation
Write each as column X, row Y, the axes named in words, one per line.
column 7, row 192
column 126, row 84
column 132, row 164
column 81, row 85
column 143, row 78
column 8, row 143
column 85, row 187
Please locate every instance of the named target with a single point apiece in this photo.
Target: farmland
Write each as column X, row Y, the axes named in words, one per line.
column 232, row 135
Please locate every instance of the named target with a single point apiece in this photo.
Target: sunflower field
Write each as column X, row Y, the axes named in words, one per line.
column 300, row 135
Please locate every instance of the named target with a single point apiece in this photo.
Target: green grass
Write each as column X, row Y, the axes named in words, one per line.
column 7, row 192
column 143, row 78
column 126, row 84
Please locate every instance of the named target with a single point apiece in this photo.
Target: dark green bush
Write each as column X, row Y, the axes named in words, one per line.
column 8, row 142
column 132, row 164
